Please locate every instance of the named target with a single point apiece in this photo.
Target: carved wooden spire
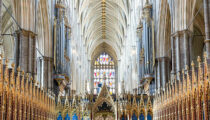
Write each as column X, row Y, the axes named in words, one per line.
column 184, row 82
column 12, row 77
column 193, row 77
column 200, row 75
column 22, row 82
column 188, row 81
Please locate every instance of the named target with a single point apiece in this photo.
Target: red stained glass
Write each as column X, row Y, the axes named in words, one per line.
column 104, row 72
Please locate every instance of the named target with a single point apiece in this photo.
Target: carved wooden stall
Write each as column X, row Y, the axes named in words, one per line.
column 187, row 99
column 21, row 98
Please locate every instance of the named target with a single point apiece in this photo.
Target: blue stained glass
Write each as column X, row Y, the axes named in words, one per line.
column 149, row 117
column 123, row 118
column 141, row 117
column 99, row 85
column 67, row 117
column 113, row 73
column 74, row 117
column 98, row 90
column 59, row 117
column 134, row 117
column 104, row 69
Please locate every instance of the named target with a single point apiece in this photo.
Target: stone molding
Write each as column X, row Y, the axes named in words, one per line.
column 27, row 33
column 58, row 5
column 181, row 32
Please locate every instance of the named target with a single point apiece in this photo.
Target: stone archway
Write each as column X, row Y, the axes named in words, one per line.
column 107, row 49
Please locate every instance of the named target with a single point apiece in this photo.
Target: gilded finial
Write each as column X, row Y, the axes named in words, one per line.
column 18, row 80
column 180, row 88
column 22, row 82
column 6, row 71
column 34, row 90
column 184, row 82
column 6, row 62
column 27, row 82
column 12, row 79
column 182, row 71
column 18, row 69
column 31, row 87
column 176, row 90
column 192, row 64
column 200, row 73
column 205, row 67
column 13, row 65
column 186, row 67
column 188, row 80
column 23, row 73
column 193, row 76
column 199, row 59
column 31, row 79
column 205, row 55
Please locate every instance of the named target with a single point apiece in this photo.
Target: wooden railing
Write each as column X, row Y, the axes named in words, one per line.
column 187, row 99
column 21, row 98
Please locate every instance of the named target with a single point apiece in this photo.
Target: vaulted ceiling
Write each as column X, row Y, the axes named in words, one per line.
column 103, row 21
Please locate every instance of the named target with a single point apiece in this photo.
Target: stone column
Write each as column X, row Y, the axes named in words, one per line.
column 173, row 56
column 164, row 71
column 158, row 75
column 26, row 51
column 48, row 69
column 180, row 51
column 177, row 55
column 186, row 48
column 207, row 25
column 185, row 40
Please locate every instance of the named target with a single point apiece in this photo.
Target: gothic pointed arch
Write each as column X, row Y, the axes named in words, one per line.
column 104, row 104
column 104, row 69
column 164, row 32
column 198, row 33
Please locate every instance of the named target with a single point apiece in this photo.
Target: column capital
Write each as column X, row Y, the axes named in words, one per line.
column 26, row 33
column 207, row 40
column 60, row 5
column 181, row 32
column 46, row 58
column 162, row 58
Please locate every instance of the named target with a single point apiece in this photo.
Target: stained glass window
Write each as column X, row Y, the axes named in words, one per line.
column 104, row 72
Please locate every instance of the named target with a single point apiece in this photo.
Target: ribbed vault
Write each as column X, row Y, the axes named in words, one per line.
column 104, row 20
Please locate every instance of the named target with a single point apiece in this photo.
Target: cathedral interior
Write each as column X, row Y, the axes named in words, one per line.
column 104, row 59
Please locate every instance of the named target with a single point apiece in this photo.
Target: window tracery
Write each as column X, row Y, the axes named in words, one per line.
column 104, row 72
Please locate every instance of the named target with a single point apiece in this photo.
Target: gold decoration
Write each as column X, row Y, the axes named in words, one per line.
column 191, row 102
column 18, row 100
